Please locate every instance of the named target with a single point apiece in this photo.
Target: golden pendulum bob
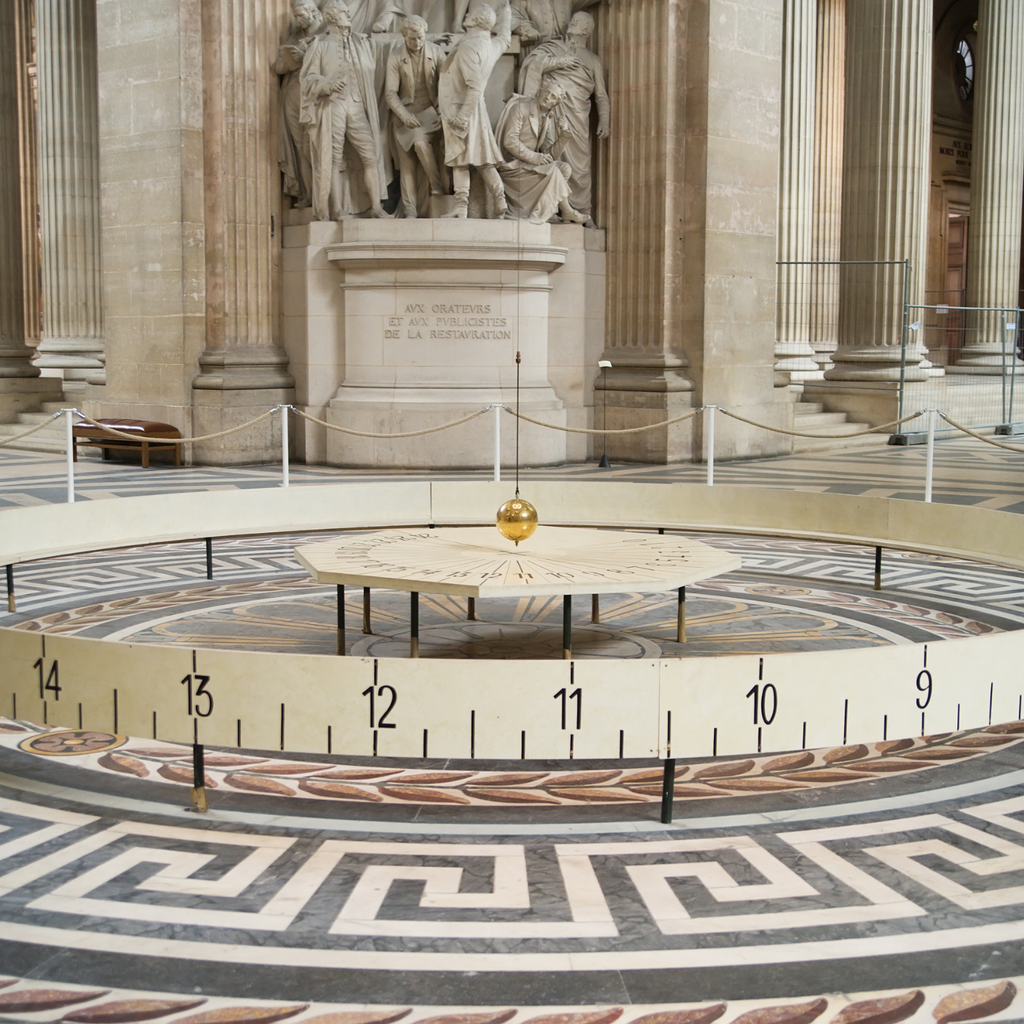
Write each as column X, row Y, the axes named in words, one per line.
column 516, row 520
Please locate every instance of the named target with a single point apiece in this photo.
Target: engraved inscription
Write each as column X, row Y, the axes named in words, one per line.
column 445, row 321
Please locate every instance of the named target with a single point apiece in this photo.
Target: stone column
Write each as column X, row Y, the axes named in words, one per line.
column 243, row 369
column 14, row 353
column 639, row 181
column 688, row 187
column 72, row 325
column 885, row 184
column 29, row 146
column 793, row 350
column 828, row 176
column 997, row 178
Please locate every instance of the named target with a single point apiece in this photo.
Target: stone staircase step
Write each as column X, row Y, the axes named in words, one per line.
column 50, row 439
column 819, row 420
column 812, row 418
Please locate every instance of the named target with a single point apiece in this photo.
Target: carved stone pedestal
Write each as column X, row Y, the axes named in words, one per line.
column 399, row 326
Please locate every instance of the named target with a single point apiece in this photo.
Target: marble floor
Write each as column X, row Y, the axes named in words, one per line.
column 880, row 882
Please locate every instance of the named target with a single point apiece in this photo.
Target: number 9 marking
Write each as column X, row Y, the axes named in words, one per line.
column 926, row 689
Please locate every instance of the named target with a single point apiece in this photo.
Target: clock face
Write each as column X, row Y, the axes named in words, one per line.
column 963, row 69
column 479, row 562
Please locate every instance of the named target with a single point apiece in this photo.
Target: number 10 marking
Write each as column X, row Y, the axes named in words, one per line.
column 766, row 717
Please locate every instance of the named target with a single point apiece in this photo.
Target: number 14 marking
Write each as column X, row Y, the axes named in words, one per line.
column 51, row 683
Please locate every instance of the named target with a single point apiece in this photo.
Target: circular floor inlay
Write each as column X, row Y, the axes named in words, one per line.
column 65, row 742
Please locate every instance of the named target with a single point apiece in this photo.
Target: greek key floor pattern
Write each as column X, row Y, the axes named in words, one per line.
column 870, row 883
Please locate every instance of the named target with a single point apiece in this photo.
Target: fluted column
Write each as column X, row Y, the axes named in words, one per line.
column 793, row 350
column 242, row 192
column 828, row 176
column 72, row 323
column 997, row 178
column 29, row 146
column 885, row 183
column 14, row 353
column 639, row 195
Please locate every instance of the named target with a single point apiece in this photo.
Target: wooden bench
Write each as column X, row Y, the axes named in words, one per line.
column 146, row 434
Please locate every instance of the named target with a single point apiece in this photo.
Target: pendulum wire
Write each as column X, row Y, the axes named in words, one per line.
column 518, row 360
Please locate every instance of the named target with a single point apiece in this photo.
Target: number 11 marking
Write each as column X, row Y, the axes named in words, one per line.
column 576, row 695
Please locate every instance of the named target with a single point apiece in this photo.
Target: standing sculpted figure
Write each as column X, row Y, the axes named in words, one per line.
column 536, row 184
column 293, row 142
column 537, row 21
column 468, row 138
column 339, row 104
column 374, row 15
column 570, row 64
column 410, row 90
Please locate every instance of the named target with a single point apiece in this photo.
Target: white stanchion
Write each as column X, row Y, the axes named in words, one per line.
column 69, row 436
column 930, row 462
column 497, row 443
column 710, row 435
column 284, row 444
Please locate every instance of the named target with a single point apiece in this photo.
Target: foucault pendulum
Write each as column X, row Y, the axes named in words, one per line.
column 517, row 518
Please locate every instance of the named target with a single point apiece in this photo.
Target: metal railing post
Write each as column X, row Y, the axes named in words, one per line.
column 497, row 442
column 930, row 462
column 905, row 339
column 69, row 435
column 709, row 434
column 284, row 445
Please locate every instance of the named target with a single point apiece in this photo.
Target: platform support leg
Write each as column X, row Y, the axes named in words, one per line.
column 681, row 616
column 878, row 568
column 567, row 626
column 414, row 625
column 471, row 609
column 209, row 558
column 595, row 608
column 668, row 790
column 367, row 629
column 341, row 618
column 10, row 589
column 199, row 802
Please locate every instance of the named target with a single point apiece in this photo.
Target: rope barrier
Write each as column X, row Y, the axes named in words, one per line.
column 408, row 433
column 799, row 433
column 178, row 440
column 981, row 437
column 623, row 430
column 520, row 415
column 31, row 430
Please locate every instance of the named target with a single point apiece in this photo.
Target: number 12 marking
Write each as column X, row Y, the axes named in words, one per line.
column 381, row 723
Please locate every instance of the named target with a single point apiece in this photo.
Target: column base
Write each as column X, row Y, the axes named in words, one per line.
column 875, row 363
column 76, row 358
column 243, row 369
column 661, row 445
column 213, row 411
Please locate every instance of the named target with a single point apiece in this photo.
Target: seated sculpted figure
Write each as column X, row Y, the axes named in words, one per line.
column 410, row 90
column 293, row 141
column 339, row 105
column 569, row 63
column 536, row 185
column 468, row 138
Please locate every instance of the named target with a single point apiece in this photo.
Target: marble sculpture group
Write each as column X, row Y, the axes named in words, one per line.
column 360, row 108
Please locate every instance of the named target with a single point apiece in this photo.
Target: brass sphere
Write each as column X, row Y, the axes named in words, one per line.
column 516, row 520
